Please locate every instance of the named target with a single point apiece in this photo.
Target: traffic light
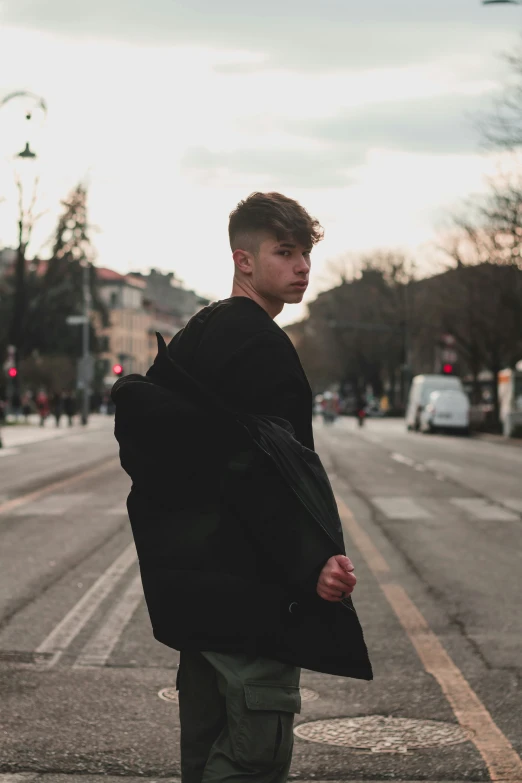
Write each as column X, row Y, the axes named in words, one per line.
column 12, row 372
column 117, row 369
column 448, row 369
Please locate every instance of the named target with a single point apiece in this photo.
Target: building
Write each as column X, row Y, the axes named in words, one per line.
column 125, row 339
column 7, row 260
column 139, row 306
column 168, row 304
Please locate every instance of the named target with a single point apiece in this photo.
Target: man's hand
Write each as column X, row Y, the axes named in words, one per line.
column 336, row 580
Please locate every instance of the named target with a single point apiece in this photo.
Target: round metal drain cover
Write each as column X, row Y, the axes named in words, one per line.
column 307, row 694
column 380, row 734
column 168, row 694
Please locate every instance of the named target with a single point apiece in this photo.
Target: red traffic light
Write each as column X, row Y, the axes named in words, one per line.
column 12, row 372
column 117, row 369
column 447, row 369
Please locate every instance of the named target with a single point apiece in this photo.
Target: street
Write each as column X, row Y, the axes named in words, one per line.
column 432, row 524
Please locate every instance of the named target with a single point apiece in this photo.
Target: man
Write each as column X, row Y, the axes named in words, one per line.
column 245, row 580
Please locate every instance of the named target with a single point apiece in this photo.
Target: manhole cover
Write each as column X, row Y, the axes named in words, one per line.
column 307, row 694
column 168, row 694
column 380, row 734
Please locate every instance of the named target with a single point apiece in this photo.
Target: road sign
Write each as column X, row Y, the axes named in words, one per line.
column 75, row 320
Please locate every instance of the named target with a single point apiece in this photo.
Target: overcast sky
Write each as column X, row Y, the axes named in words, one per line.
column 176, row 109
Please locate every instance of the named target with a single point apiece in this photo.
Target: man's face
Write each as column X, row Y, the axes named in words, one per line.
column 280, row 270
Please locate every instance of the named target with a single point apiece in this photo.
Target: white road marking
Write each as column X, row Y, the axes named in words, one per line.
column 52, row 504
column 98, row 649
column 403, row 459
column 400, row 508
column 73, row 622
column 481, row 509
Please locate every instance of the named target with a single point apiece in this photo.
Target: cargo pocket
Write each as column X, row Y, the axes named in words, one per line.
column 264, row 734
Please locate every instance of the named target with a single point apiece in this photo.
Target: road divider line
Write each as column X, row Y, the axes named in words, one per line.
column 501, row 759
column 98, row 649
column 57, row 642
column 30, row 497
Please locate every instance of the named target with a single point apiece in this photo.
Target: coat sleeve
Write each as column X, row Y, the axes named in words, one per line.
column 291, row 548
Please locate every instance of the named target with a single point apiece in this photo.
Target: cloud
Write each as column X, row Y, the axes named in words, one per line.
column 298, row 34
column 438, row 125
column 269, row 168
column 443, row 125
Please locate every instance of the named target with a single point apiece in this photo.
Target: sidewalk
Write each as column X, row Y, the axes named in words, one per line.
column 15, row 435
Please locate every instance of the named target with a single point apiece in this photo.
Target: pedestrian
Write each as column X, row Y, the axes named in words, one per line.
column 56, row 406
column 69, row 406
column 237, row 532
column 26, row 406
column 42, row 406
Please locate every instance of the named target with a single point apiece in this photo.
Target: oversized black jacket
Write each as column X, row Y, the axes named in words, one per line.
column 234, row 571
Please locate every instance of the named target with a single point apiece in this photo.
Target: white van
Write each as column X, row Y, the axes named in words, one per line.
column 446, row 410
column 421, row 388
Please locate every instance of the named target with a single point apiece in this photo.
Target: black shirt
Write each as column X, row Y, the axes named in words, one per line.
column 242, row 355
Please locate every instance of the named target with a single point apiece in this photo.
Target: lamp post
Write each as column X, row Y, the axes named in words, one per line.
column 32, row 103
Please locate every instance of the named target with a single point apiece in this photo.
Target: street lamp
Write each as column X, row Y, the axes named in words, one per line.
column 31, row 104
column 27, row 152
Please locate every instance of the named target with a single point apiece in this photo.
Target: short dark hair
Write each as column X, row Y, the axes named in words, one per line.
column 271, row 213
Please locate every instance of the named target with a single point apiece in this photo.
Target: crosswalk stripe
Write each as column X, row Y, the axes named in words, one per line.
column 52, row 504
column 400, row 508
column 73, row 622
column 481, row 509
column 98, row 649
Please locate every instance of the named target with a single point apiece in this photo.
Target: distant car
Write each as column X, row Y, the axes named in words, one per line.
column 446, row 410
column 421, row 388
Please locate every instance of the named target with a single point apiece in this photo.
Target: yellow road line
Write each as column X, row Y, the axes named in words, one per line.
column 30, row 497
column 501, row 759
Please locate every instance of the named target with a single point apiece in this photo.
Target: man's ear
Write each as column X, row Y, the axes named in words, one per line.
column 243, row 261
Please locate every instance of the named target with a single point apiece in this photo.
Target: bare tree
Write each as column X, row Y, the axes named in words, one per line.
column 27, row 218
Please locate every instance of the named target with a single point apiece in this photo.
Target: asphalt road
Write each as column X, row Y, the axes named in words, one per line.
column 433, row 525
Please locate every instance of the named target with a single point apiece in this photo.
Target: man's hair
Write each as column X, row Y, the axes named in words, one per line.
column 271, row 213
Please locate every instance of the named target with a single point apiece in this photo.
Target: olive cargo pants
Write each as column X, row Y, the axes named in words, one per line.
column 236, row 716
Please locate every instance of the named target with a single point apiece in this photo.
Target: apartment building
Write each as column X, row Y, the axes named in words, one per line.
column 125, row 339
column 139, row 306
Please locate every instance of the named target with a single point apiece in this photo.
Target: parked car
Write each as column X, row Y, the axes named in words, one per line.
column 446, row 410
column 421, row 388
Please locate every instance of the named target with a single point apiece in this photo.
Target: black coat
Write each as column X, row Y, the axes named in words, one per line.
column 233, row 519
